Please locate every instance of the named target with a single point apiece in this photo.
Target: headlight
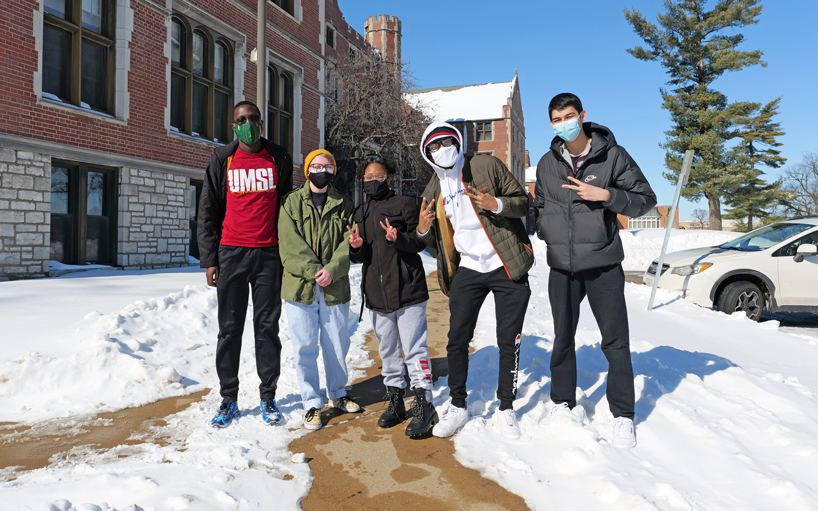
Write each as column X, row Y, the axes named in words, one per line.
column 690, row 269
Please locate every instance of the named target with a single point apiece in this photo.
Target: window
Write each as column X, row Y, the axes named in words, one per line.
column 83, row 213
column 201, row 82
column 329, row 35
column 792, row 249
column 280, row 108
column 287, row 6
column 78, row 53
column 195, row 193
column 483, row 131
column 643, row 223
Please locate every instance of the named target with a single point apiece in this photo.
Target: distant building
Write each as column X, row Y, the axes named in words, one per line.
column 656, row 218
column 490, row 116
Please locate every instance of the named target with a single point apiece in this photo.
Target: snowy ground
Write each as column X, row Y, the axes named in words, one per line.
column 726, row 412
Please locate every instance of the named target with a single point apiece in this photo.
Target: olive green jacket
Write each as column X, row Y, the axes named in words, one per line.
column 309, row 242
column 506, row 230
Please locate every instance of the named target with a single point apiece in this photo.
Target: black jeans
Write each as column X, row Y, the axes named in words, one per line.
column 468, row 291
column 605, row 288
column 260, row 268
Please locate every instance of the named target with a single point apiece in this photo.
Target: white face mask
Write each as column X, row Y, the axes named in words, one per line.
column 446, row 157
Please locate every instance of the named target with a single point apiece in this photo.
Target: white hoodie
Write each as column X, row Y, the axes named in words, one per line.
column 470, row 239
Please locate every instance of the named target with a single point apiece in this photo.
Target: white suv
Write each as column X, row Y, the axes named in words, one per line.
column 774, row 267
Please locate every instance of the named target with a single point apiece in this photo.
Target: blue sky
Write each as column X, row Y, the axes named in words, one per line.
column 580, row 47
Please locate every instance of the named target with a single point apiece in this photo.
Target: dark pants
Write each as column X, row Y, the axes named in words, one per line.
column 605, row 288
column 260, row 268
column 468, row 291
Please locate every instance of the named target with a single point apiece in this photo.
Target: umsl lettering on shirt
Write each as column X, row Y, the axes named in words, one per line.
column 251, row 180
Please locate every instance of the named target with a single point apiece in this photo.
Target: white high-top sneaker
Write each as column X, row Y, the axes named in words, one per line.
column 624, row 436
column 507, row 422
column 554, row 412
column 454, row 419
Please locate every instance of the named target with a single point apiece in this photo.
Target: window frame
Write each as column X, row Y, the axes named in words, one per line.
column 329, row 36
column 206, row 79
column 276, row 112
column 289, row 10
column 72, row 25
column 480, row 131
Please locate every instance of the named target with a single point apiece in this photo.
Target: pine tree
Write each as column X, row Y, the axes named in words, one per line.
column 755, row 198
column 696, row 47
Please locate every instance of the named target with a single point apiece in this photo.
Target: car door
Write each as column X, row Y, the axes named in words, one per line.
column 798, row 282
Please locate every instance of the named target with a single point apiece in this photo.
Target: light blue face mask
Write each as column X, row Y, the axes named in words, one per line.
column 568, row 130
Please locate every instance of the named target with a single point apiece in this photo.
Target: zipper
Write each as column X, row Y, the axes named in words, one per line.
column 378, row 257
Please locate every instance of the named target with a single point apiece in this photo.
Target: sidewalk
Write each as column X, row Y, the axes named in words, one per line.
column 359, row 466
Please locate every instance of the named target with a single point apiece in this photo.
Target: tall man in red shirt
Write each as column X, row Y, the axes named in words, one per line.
column 238, row 243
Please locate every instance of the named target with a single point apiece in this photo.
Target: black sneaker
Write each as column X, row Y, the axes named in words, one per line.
column 228, row 410
column 424, row 415
column 396, row 411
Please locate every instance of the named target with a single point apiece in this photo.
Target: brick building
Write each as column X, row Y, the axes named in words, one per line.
column 110, row 109
column 489, row 115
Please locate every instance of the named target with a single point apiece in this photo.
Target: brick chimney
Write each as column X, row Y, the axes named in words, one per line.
column 384, row 33
column 527, row 159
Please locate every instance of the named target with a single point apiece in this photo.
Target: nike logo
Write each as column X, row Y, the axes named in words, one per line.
column 590, row 178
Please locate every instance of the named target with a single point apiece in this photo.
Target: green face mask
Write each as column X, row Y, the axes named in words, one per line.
column 249, row 132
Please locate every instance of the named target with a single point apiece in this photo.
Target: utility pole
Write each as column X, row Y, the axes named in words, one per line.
column 261, row 62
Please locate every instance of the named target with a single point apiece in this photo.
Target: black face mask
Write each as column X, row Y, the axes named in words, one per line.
column 376, row 189
column 321, row 179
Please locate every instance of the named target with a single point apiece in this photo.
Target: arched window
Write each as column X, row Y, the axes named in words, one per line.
column 280, row 108
column 201, row 82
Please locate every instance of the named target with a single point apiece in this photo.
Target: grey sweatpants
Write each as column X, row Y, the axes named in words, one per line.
column 406, row 329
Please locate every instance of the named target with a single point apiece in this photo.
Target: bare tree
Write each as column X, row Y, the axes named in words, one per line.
column 801, row 181
column 701, row 219
column 366, row 118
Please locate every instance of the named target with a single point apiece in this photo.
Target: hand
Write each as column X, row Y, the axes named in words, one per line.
column 212, row 276
column 355, row 240
column 323, row 278
column 427, row 216
column 391, row 232
column 482, row 200
column 589, row 192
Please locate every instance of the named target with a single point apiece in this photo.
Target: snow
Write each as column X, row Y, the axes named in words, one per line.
column 642, row 246
column 726, row 408
column 56, row 266
column 531, row 174
column 471, row 102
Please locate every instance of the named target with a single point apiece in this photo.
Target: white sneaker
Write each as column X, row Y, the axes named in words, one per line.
column 623, row 433
column 507, row 422
column 454, row 419
column 554, row 412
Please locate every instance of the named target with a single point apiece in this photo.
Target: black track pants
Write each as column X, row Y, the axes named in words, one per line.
column 468, row 291
column 260, row 268
column 605, row 288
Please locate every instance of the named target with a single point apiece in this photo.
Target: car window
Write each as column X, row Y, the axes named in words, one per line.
column 766, row 237
column 792, row 248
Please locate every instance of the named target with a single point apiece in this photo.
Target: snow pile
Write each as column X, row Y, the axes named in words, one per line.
column 483, row 101
column 148, row 350
column 727, row 416
column 642, row 246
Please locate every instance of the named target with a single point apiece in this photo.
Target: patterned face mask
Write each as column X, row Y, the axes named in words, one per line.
column 249, row 132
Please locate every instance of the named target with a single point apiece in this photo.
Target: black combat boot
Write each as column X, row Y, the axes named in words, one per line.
column 424, row 415
column 396, row 411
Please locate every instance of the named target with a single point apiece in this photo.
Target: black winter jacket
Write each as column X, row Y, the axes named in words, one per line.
column 213, row 201
column 393, row 275
column 582, row 235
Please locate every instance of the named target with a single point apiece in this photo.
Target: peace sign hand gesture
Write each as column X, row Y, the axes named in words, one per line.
column 482, row 200
column 391, row 232
column 427, row 216
column 589, row 192
column 355, row 240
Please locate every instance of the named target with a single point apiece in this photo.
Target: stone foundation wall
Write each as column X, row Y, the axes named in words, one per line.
column 25, row 214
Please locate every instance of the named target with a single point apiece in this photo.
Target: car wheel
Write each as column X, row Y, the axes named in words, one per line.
column 743, row 297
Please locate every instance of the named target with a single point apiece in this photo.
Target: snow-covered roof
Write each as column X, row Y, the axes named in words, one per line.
column 530, row 174
column 469, row 102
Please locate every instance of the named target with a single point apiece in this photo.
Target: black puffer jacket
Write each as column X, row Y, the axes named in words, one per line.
column 582, row 235
column 393, row 275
